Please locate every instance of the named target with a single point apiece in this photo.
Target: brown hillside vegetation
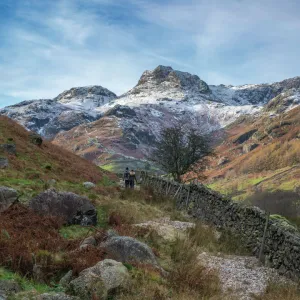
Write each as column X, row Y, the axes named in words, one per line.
column 45, row 162
column 258, row 151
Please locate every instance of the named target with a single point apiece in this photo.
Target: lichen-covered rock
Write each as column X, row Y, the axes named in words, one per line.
column 66, row 279
column 33, row 295
column 58, row 296
column 100, row 281
column 7, row 288
column 73, row 208
column 89, row 185
column 127, row 249
column 8, row 196
column 3, row 163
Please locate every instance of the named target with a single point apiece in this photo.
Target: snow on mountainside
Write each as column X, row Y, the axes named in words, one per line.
column 256, row 94
column 69, row 109
column 161, row 97
column 86, row 98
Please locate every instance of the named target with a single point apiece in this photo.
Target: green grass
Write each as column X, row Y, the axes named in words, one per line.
column 106, row 181
column 28, row 285
column 79, row 232
column 75, row 232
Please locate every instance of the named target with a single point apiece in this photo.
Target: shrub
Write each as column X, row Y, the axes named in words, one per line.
column 188, row 273
column 275, row 291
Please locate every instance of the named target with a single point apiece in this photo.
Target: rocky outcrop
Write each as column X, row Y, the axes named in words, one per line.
column 245, row 136
column 121, row 111
column 73, row 208
column 101, row 281
column 8, row 196
column 127, row 249
column 166, row 229
column 249, row 147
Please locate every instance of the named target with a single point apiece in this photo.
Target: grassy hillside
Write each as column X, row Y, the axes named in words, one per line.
column 32, row 166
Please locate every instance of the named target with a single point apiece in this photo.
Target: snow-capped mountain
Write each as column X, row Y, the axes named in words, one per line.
column 255, row 94
column 127, row 126
column 86, row 98
column 69, row 109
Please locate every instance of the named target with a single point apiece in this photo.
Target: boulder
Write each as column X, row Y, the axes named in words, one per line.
column 73, row 208
column 9, row 148
column 100, row 281
column 8, row 197
column 3, row 163
column 33, row 295
column 89, row 185
column 166, row 229
column 57, row 296
column 8, row 287
column 89, row 241
column 127, row 249
column 66, row 279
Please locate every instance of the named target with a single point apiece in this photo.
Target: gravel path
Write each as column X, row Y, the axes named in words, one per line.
column 241, row 276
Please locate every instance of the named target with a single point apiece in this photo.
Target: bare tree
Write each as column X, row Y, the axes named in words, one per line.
column 179, row 149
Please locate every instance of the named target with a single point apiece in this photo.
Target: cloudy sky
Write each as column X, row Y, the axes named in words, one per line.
column 48, row 46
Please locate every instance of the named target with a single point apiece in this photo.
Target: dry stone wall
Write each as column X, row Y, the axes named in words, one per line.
column 282, row 243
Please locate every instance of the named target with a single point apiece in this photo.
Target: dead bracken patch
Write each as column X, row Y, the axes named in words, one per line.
column 28, row 239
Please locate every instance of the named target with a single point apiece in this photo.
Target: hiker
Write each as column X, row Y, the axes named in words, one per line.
column 126, row 178
column 132, row 179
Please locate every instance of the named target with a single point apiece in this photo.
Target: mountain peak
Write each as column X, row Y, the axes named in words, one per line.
column 164, row 78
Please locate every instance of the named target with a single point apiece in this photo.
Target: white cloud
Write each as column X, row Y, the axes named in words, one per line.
column 54, row 45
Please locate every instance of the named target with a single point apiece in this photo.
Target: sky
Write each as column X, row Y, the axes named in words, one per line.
column 48, row 46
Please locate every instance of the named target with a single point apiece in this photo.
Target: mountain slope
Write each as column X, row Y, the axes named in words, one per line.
column 32, row 165
column 259, row 153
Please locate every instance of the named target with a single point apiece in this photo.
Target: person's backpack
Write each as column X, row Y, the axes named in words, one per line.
column 126, row 175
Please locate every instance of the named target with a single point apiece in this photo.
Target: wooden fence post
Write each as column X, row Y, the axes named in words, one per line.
column 188, row 197
column 261, row 251
column 179, row 188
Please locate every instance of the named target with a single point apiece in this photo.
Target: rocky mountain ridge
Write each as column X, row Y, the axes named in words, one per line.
column 162, row 96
